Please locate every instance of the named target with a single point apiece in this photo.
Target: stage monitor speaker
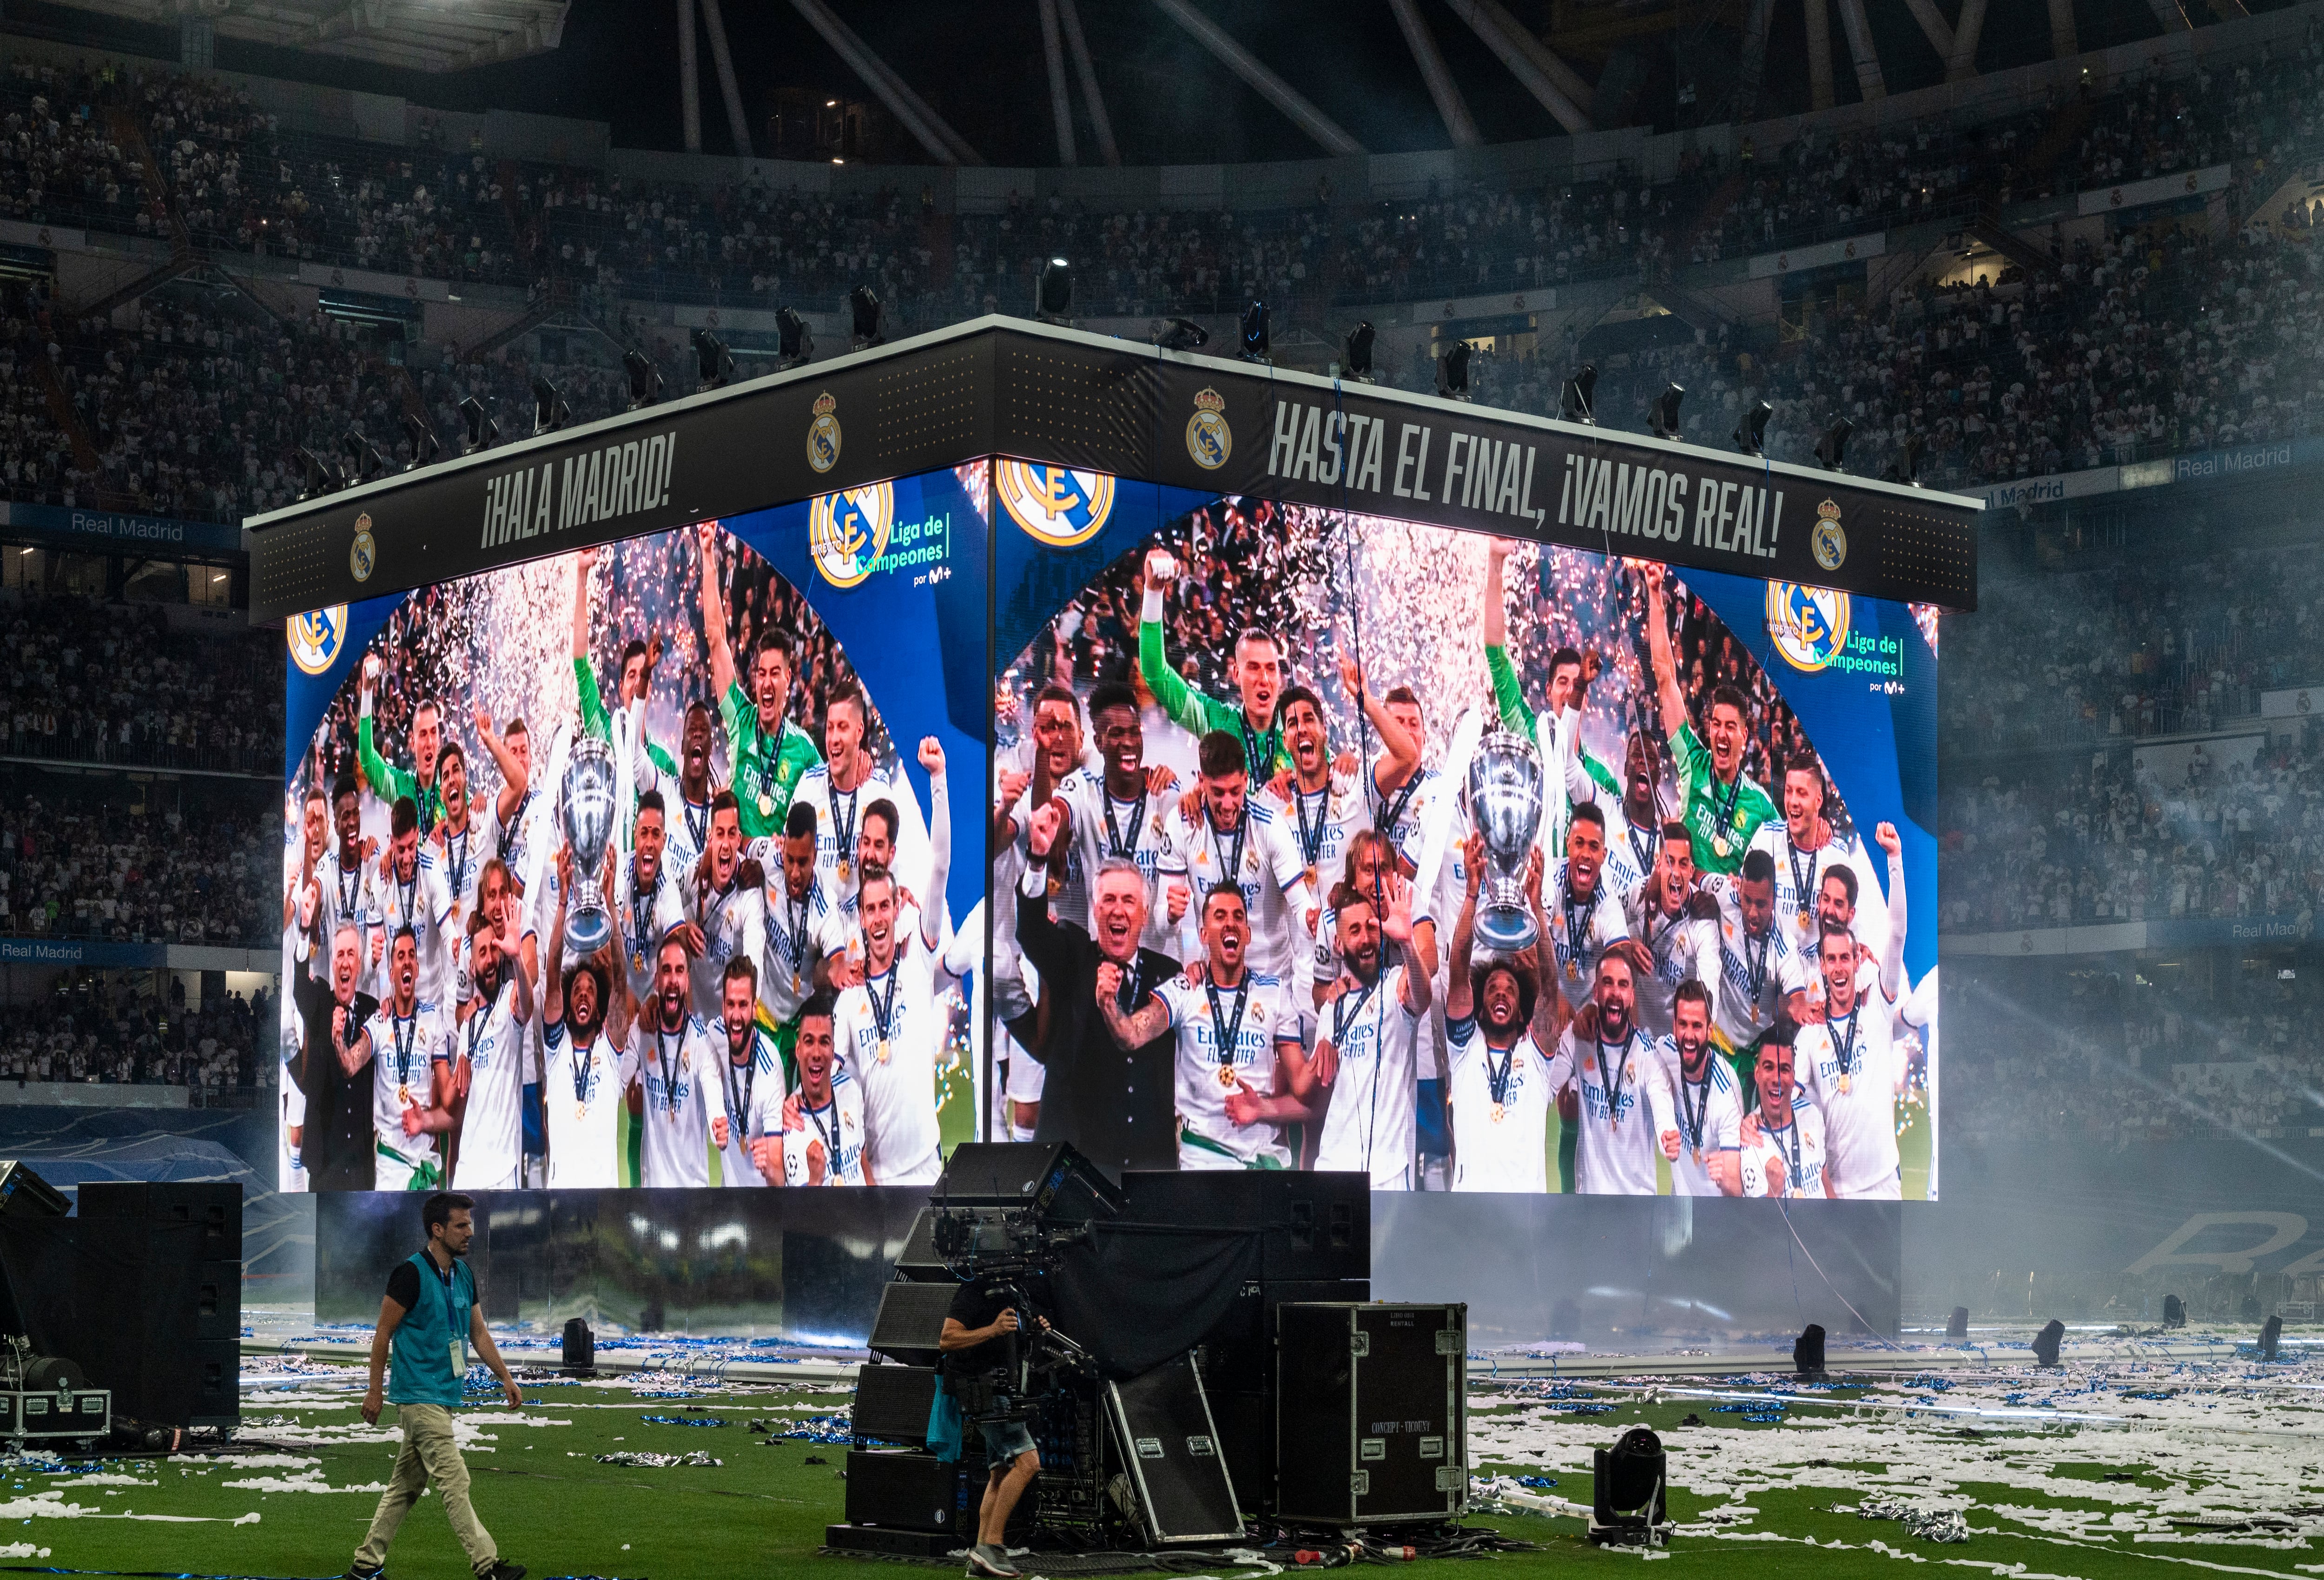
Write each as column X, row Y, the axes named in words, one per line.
column 893, row 1403
column 1170, row 1449
column 911, row 1315
column 579, row 1347
column 1956, row 1325
column 1055, row 1181
column 218, row 1209
column 27, row 1195
column 1318, row 1225
column 1238, row 1354
column 907, row 1490
column 1372, row 1413
column 918, row 1261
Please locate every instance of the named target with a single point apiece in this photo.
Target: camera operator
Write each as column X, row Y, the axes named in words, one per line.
column 979, row 1340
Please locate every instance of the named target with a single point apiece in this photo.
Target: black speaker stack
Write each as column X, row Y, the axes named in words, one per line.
column 143, row 1289
column 1250, row 1381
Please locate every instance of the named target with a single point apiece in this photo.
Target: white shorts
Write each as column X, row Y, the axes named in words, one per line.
column 393, row 1171
column 505, row 1182
column 1027, row 1075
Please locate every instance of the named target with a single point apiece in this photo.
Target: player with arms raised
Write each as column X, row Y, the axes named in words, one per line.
column 1499, row 1090
column 1258, row 675
column 1721, row 806
column 769, row 753
column 1229, row 838
column 585, row 1071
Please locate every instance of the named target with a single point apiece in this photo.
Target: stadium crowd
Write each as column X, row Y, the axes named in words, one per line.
column 194, row 870
column 111, row 1034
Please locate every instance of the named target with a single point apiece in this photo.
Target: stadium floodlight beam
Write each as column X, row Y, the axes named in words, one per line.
column 320, row 477
column 1053, row 293
column 713, row 363
column 423, row 439
column 1356, row 354
column 645, row 379
column 1833, row 448
column 1179, row 334
column 1453, row 371
column 1662, row 411
column 796, row 341
column 1573, row 405
column 864, row 309
column 1253, row 347
column 549, row 411
column 483, row 431
column 1751, row 429
column 363, row 460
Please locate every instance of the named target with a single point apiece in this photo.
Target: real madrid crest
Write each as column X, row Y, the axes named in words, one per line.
column 362, row 555
column 1209, row 441
column 1826, row 539
column 823, row 434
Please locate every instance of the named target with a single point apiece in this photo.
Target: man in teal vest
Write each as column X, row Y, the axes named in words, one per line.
column 430, row 1318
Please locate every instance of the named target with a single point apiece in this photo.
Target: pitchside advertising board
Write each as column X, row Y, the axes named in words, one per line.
column 1016, row 731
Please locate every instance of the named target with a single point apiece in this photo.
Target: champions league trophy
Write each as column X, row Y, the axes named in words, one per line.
column 587, row 813
column 1505, row 780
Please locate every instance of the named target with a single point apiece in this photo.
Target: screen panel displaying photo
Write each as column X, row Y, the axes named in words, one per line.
column 1467, row 863
column 636, row 865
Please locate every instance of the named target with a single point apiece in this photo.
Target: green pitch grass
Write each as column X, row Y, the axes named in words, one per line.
column 552, row 1508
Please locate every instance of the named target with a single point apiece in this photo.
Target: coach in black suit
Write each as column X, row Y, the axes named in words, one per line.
column 1116, row 1106
column 336, row 1143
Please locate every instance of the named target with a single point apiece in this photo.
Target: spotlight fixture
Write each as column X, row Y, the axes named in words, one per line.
column 1628, row 1504
column 483, row 431
column 1254, row 332
column 714, row 363
column 791, row 334
column 1751, row 429
column 1573, row 405
column 1807, row 1351
column 1662, row 411
column 1053, row 293
column 320, row 476
column 1833, row 448
column 1956, row 1325
column 2046, row 1343
column 363, row 460
column 864, row 309
column 549, row 411
column 645, row 379
column 1907, row 466
column 1179, row 334
column 423, row 439
column 1453, row 371
column 1356, row 354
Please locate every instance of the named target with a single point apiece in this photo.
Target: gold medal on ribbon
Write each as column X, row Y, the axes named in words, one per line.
column 403, row 1096
column 1499, row 1113
column 1805, row 913
column 637, row 959
column 1718, row 846
column 1573, row 971
column 1227, row 1076
column 765, row 805
column 847, row 870
column 884, row 1050
column 580, row 1111
column 1311, row 872
column 1697, row 1152
column 1843, row 1083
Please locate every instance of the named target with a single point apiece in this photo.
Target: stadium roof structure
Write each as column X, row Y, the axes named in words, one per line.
column 414, row 35
column 1052, row 396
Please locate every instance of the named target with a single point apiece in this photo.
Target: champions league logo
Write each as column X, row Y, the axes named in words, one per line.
column 847, row 532
column 1809, row 625
column 1056, row 505
column 1209, row 441
column 316, row 638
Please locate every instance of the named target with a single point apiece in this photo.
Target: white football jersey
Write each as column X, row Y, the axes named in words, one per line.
column 1800, row 1144
column 1104, row 827
column 1621, row 1089
column 1217, row 1056
column 583, row 1091
column 1757, row 972
column 1579, row 931
column 679, row 1072
column 494, row 1047
column 1500, row 1105
column 642, row 920
column 1367, row 1126
column 1799, row 875
column 1707, row 1114
column 838, row 1125
column 403, row 1052
column 1261, row 858
column 839, row 820
column 734, row 923
column 1855, row 1071
column 890, row 1033
column 754, row 1094
column 1685, row 948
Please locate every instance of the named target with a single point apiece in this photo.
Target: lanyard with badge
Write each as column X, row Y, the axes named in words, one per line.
column 1311, row 839
column 884, row 1011
column 459, row 1347
column 1693, row 1118
column 670, row 1095
column 1804, row 887
column 1844, row 1047
column 738, row 1123
column 1611, row 1074
column 1114, row 843
column 1578, row 924
column 843, row 831
column 641, row 910
column 1791, row 1135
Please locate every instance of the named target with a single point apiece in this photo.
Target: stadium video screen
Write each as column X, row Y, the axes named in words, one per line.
column 1016, row 801
column 715, row 773
column 1674, row 929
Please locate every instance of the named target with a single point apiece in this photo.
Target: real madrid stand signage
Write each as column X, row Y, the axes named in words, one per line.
column 1098, row 405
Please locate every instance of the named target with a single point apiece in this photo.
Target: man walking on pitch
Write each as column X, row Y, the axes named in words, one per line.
column 429, row 1318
